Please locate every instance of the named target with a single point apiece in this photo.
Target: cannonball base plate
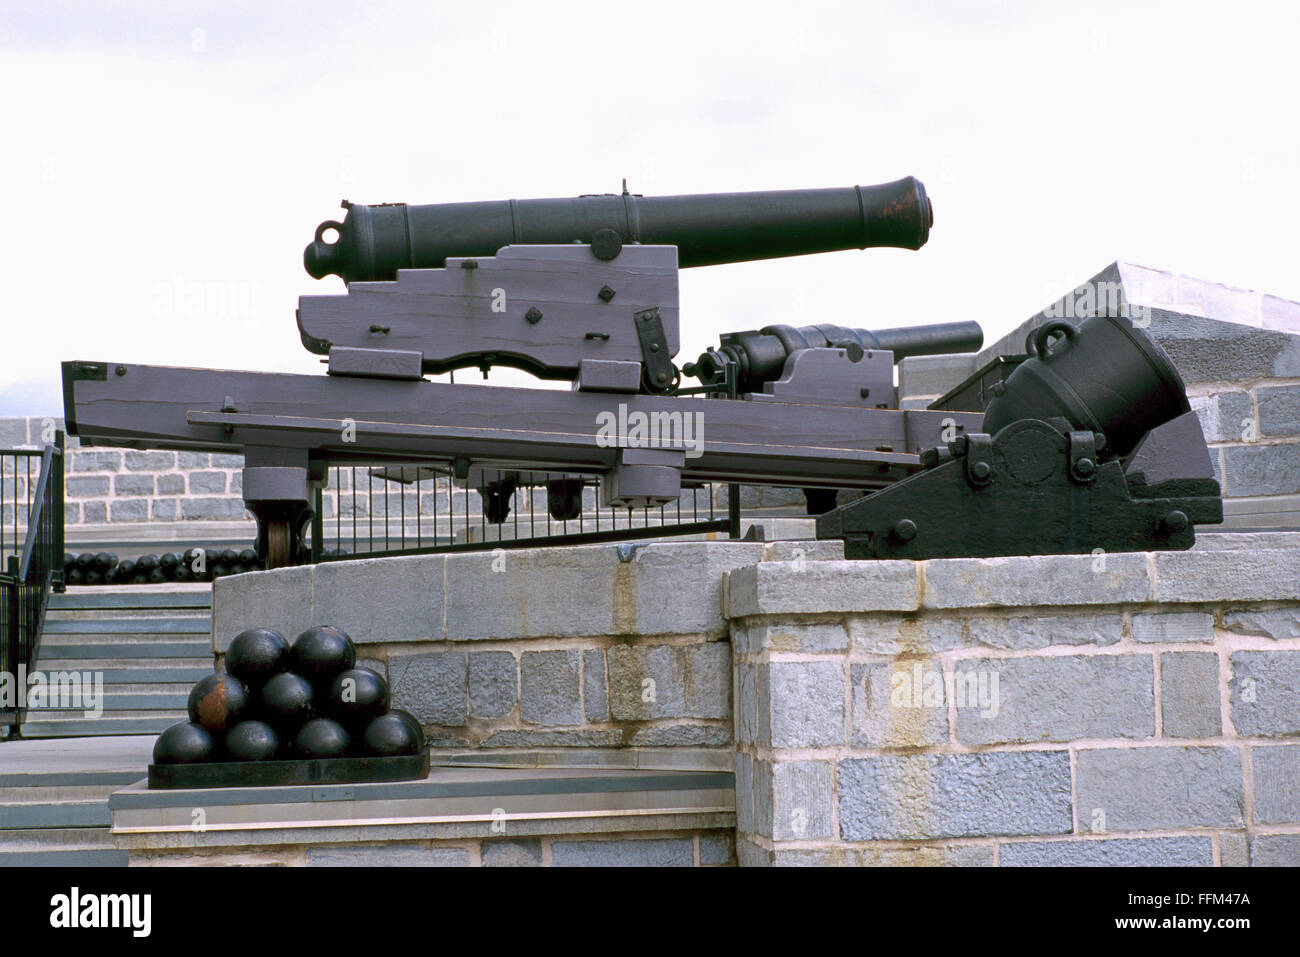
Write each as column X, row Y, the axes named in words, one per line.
column 260, row 774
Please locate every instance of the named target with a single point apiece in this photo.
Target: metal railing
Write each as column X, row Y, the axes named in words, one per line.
column 32, row 513
column 405, row 509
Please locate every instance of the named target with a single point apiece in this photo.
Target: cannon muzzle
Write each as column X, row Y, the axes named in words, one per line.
column 373, row 242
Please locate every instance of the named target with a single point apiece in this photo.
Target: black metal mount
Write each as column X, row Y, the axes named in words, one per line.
column 1035, row 488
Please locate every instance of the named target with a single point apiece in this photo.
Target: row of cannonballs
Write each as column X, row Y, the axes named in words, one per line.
column 278, row 701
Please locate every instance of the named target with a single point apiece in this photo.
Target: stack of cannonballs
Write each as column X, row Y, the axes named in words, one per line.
column 278, row 701
column 104, row 568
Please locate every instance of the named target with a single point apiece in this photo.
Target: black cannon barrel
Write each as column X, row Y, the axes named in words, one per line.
column 375, row 241
column 760, row 355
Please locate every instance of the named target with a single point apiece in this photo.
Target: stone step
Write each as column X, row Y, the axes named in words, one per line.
column 47, row 794
column 60, row 814
column 117, row 671
column 122, row 701
column 131, row 598
column 133, row 625
column 60, row 847
column 119, row 650
column 77, row 726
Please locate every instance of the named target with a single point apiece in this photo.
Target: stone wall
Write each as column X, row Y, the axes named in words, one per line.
column 1113, row 709
column 1066, row 710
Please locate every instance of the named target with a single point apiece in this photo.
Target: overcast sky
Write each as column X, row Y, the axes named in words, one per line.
column 165, row 163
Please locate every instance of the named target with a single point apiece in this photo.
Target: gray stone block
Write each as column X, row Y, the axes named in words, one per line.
column 1265, row 692
column 1234, row 851
column 279, row 599
column 348, row 595
column 1275, row 850
column 1277, row 784
column 899, row 704
column 207, row 483
column 595, row 695
column 138, row 484
column 192, row 460
column 549, row 688
column 1030, row 632
column 669, row 681
column 1261, row 469
column 224, row 460
column 746, row 704
column 93, row 513
column 921, row 855
column 793, row 636
column 534, row 593
column 171, row 484
column 493, row 683
column 802, row 588
column 682, row 736
column 665, row 852
column 13, row 432
column 1136, row 852
column 502, row 853
column 907, row 634
column 1279, row 409
column 933, row 375
column 749, row 854
column 128, row 510
column 1038, row 580
column 1224, row 416
column 213, row 509
column 1055, row 699
column 1206, row 350
column 676, row 587
column 1173, row 626
column 555, row 739
column 432, row 687
column 1189, row 694
column 164, row 510
column 1161, row 788
column 1212, row 575
column 802, row 797
column 805, row 704
column 149, row 461
column 804, row 551
column 1276, row 623
column 954, row 795
column 84, row 461
column 387, row 855
column 717, row 848
column 79, row 486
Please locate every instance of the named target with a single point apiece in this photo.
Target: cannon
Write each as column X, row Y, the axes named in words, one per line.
column 585, row 290
column 373, row 242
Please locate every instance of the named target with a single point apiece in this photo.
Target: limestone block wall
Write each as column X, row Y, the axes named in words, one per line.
column 591, row 646
column 1063, row 710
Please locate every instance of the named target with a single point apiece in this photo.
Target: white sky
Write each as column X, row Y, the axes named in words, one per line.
column 165, row 163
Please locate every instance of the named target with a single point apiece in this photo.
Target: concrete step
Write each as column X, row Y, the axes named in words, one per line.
column 130, row 625
column 122, row 649
column 133, row 596
column 124, row 701
column 76, row 725
column 62, row 814
column 47, row 794
column 117, row 671
column 60, row 847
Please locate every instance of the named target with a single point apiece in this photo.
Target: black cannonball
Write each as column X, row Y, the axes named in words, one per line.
column 124, row 572
column 322, row 738
column 146, row 563
column 168, row 561
column 157, row 576
column 228, row 556
column 248, row 558
column 358, row 696
column 183, row 573
column 73, row 576
column 218, row 702
column 105, row 561
column 286, row 701
column 257, row 655
column 184, row 743
column 94, row 577
column 252, row 741
column 85, row 560
column 393, row 734
column 319, row 654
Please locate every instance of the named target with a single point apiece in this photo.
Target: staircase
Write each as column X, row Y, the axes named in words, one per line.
column 150, row 643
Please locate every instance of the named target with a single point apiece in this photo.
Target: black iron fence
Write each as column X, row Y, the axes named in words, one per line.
column 31, row 548
column 404, row 509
